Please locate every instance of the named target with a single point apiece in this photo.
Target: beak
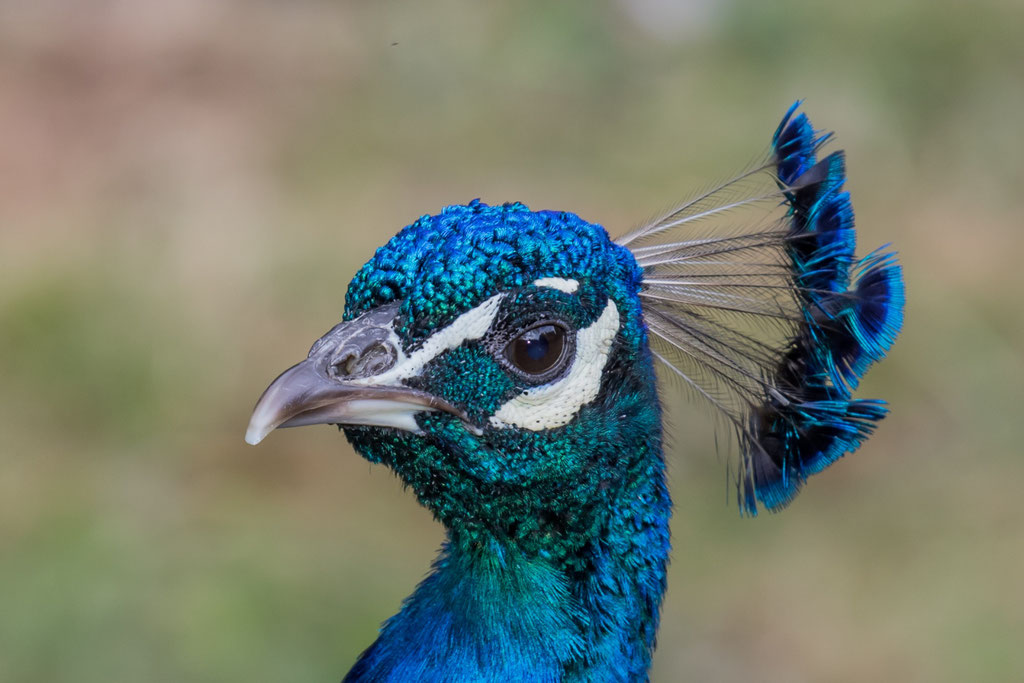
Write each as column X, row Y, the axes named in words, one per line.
column 304, row 396
column 335, row 384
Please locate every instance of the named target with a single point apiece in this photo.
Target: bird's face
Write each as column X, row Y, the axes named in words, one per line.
column 496, row 359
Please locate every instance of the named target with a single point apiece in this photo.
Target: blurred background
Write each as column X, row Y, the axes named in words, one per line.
column 186, row 188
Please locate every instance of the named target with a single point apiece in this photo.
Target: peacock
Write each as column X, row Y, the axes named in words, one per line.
column 502, row 362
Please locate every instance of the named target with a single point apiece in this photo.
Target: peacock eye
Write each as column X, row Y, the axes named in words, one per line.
column 539, row 350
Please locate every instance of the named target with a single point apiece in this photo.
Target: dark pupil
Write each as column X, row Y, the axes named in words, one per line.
column 537, row 350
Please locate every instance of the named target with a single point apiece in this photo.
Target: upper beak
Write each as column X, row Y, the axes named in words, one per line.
column 302, row 395
column 335, row 384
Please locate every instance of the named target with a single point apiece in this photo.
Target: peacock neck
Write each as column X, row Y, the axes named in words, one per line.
column 555, row 577
column 495, row 611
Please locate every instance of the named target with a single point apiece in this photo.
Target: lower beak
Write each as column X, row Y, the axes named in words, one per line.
column 303, row 395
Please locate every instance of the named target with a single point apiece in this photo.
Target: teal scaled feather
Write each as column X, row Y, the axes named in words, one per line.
column 501, row 362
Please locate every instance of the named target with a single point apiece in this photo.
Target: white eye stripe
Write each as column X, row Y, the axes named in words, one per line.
column 561, row 284
column 473, row 324
column 556, row 404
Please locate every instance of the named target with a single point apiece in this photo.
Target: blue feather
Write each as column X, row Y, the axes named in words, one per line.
column 788, row 397
column 822, row 249
column 844, row 331
column 795, row 143
column 875, row 316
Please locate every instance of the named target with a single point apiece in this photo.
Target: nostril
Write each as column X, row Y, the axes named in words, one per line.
column 375, row 359
column 341, row 364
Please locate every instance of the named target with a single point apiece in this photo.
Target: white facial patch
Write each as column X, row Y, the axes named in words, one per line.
column 561, row 284
column 556, row 404
column 471, row 325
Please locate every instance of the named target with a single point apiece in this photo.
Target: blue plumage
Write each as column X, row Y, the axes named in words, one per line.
column 877, row 314
column 794, row 145
column 501, row 362
column 842, row 333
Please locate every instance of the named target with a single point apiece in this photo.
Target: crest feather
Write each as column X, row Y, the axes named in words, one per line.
column 748, row 299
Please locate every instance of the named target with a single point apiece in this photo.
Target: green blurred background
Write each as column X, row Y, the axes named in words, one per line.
column 186, row 189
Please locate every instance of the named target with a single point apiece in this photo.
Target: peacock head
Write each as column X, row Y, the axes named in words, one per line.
column 497, row 360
